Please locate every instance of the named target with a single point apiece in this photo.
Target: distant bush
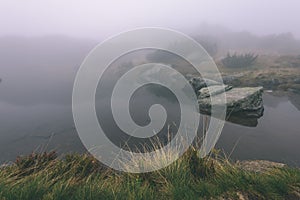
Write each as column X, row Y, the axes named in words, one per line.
column 241, row 60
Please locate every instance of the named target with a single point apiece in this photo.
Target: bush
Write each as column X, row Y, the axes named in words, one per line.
column 241, row 60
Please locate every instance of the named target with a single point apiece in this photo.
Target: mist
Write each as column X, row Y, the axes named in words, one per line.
column 43, row 44
column 100, row 19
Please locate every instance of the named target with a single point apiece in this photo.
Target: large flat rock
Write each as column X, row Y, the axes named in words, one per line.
column 246, row 100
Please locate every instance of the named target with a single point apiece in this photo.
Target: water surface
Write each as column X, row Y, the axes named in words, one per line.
column 27, row 128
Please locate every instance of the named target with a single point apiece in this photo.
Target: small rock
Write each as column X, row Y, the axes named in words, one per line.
column 259, row 165
column 213, row 90
column 199, row 83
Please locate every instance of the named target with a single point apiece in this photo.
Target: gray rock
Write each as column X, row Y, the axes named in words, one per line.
column 213, row 90
column 198, row 83
column 259, row 165
column 246, row 100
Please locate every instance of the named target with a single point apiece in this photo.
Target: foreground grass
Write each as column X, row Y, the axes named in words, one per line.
column 43, row 176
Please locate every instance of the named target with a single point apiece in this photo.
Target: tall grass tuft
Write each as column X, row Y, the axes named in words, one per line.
column 44, row 176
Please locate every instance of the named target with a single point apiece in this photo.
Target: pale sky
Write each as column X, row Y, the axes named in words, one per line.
column 96, row 19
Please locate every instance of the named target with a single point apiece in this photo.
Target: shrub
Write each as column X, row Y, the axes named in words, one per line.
column 241, row 60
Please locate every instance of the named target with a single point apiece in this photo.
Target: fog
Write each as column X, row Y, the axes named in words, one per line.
column 99, row 19
column 43, row 43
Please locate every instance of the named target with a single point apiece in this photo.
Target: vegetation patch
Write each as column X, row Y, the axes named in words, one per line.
column 239, row 60
column 279, row 73
column 82, row 177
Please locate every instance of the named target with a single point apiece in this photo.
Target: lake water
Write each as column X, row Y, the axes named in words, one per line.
column 276, row 136
column 47, row 126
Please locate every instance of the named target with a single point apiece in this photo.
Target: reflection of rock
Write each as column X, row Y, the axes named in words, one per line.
column 243, row 119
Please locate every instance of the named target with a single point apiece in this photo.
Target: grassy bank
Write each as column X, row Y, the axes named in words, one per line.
column 272, row 72
column 43, row 176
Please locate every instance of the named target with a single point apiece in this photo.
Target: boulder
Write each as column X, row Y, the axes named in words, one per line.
column 246, row 100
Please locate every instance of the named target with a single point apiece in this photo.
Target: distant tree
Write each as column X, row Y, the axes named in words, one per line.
column 241, row 60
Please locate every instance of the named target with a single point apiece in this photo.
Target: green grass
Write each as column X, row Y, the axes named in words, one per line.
column 43, row 176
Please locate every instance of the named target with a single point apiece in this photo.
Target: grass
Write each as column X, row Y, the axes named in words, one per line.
column 43, row 176
column 278, row 73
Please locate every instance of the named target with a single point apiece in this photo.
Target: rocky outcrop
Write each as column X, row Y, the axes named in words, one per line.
column 244, row 102
column 247, row 100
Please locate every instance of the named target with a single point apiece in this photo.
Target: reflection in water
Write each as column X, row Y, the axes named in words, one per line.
column 276, row 136
column 238, row 118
